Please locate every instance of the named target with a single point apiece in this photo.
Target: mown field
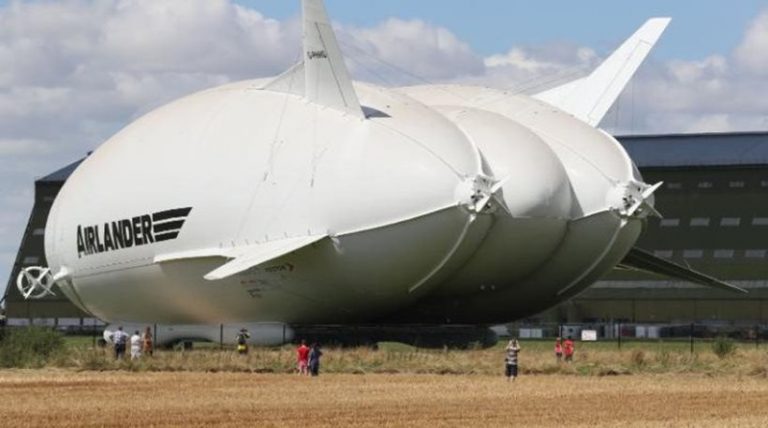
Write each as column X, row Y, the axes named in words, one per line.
column 53, row 381
column 55, row 397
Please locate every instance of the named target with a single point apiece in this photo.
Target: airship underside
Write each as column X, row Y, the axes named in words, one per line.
column 307, row 198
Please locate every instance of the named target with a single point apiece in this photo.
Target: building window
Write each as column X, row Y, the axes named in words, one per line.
column 675, row 186
column 755, row 254
column 705, row 185
column 723, row 254
column 664, row 254
column 38, row 232
column 730, row 221
column 760, row 221
column 30, row 260
column 699, row 221
column 670, row 222
column 736, row 184
column 693, row 254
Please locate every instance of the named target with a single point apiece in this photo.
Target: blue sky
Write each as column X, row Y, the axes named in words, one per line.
column 699, row 27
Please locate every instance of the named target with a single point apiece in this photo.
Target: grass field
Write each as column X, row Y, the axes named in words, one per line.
column 536, row 357
column 52, row 397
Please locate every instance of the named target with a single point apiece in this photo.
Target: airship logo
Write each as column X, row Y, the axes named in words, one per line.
column 126, row 233
column 316, row 54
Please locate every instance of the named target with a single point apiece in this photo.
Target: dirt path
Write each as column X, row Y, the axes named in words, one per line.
column 62, row 398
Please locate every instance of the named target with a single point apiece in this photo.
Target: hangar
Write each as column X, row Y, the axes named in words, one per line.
column 715, row 207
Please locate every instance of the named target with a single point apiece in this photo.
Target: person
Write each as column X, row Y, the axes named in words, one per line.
column 568, row 350
column 119, row 338
column 559, row 350
column 314, row 359
column 147, row 345
column 135, row 345
column 513, row 348
column 242, row 341
column 303, row 358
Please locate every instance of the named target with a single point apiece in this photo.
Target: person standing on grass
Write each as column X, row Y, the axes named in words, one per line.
column 513, row 349
column 568, row 350
column 242, row 341
column 303, row 358
column 119, row 338
column 147, row 342
column 135, row 345
column 559, row 350
column 314, row 359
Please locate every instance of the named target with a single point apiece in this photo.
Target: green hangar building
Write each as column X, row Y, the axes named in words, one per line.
column 715, row 206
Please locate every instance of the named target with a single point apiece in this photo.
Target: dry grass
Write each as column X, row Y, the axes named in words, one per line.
column 53, row 397
column 536, row 358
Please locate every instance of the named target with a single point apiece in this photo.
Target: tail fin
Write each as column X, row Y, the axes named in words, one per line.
column 639, row 259
column 590, row 98
column 322, row 76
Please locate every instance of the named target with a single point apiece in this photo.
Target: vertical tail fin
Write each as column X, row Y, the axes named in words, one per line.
column 590, row 98
column 322, row 76
column 327, row 81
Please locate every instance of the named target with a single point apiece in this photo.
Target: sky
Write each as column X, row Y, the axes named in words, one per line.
column 73, row 72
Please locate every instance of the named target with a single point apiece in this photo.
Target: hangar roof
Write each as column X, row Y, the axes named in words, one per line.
column 61, row 175
column 692, row 150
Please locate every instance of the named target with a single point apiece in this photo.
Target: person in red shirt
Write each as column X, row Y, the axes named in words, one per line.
column 568, row 349
column 558, row 349
column 303, row 357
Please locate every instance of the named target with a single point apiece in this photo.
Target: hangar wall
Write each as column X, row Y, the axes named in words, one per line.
column 32, row 253
column 715, row 207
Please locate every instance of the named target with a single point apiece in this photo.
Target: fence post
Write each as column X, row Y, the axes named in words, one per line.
column 618, row 333
column 221, row 336
column 691, row 338
column 757, row 336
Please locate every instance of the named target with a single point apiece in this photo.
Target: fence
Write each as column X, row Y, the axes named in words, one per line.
column 626, row 333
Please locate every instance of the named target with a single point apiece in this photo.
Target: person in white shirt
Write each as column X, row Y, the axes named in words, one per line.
column 119, row 338
column 135, row 345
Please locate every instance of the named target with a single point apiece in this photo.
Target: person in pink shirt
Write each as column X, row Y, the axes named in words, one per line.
column 559, row 349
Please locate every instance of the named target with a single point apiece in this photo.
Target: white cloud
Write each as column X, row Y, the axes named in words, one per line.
column 752, row 53
column 397, row 50
column 10, row 147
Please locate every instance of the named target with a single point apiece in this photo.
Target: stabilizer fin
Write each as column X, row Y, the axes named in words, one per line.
column 327, row 81
column 590, row 98
column 642, row 260
column 254, row 255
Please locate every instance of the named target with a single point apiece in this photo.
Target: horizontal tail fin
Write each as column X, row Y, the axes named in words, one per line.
column 255, row 255
column 645, row 261
column 590, row 98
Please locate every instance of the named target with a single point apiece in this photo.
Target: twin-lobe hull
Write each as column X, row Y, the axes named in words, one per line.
column 309, row 199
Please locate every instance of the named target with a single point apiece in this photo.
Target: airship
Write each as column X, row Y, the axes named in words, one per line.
column 310, row 199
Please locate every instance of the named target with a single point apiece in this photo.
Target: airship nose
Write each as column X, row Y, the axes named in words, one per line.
column 522, row 173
